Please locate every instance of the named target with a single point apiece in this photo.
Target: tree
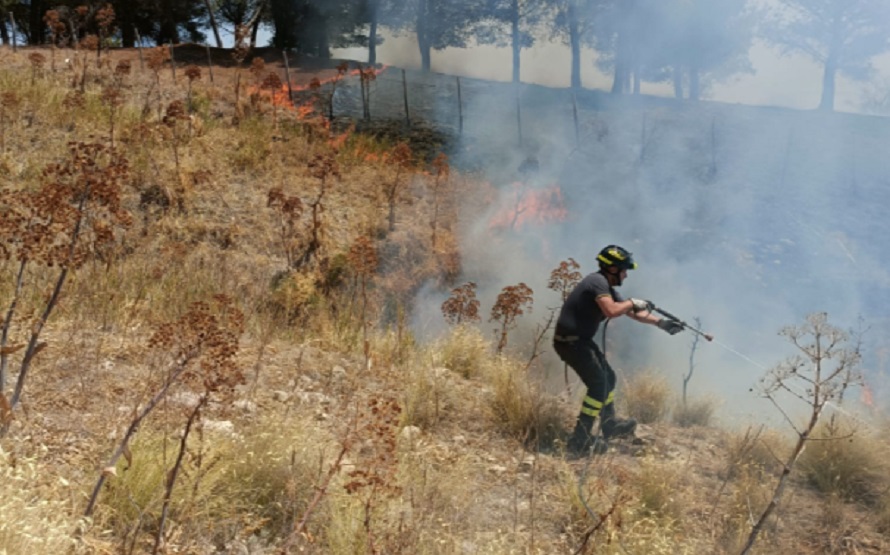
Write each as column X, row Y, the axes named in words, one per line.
column 314, row 26
column 161, row 21
column 521, row 17
column 710, row 37
column 842, row 35
column 437, row 24
column 574, row 24
column 631, row 37
column 249, row 13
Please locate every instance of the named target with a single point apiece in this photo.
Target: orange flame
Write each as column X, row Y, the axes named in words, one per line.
column 528, row 206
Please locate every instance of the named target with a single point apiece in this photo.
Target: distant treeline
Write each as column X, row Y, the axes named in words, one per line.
column 690, row 43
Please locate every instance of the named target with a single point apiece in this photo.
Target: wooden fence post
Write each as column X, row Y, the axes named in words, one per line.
column 518, row 118
column 405, row 92
column 460, row 110
column 575, row 117
column 290, row 91
column 139, row 48
column 172, row 61
column 209, row 61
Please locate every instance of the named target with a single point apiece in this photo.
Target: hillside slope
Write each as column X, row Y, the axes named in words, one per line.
column 253, row 323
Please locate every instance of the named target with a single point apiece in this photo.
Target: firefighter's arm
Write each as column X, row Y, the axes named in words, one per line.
column 612, row 308
column 645, row 317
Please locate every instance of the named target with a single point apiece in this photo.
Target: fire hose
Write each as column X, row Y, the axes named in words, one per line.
column 671, row 317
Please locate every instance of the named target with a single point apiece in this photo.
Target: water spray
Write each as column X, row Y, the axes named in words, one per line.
column 670, row 316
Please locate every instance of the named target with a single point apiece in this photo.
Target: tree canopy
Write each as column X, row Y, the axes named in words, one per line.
column 842, row 35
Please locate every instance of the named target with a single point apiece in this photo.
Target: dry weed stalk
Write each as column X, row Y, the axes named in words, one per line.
column 104, row 19
column 192, row 73
column 216, row 376
column 562, row 280
column 157, row 57
column 375, row 477
column 322, row 167
column 201, row 347
column 819, row 376
column 288, row 210
column 376, row 427
column 37, row 60
column 88, row 43
column 73, row 217
column 363, row 260
column 174, row 115
column 441, row 172
column 462, row 306
column 403, row 159
column 57, row 33
column 9, row 105
column 512, row 302
column 272, row 84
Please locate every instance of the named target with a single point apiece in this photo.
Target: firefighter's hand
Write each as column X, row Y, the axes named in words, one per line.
column 640, row 305
column 671, row 326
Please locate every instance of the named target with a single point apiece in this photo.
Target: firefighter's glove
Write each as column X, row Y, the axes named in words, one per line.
column 673, row 327
column 639, row 305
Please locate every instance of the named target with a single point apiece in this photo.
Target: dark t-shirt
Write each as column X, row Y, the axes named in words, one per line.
column 580, row 314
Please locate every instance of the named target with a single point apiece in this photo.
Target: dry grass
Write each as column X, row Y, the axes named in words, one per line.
column 464, row 350
column 522, row 408
column 35, row 516
column 847, row 463
column 471, row 468
column 694, row 412
column 646, row 397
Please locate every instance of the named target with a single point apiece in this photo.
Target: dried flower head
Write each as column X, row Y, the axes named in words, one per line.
column 193, row 72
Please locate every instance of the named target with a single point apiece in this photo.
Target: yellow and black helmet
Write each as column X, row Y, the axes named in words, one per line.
column 618, row 257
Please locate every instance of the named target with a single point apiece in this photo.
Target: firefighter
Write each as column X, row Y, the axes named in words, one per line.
column 591, row 302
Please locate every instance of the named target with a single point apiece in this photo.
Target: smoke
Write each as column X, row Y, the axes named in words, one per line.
column 745, row 218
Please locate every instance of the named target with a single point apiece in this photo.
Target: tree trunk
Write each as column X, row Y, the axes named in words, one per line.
column 575, row 42
column 516, row 38
column 423, row 37
column 213, row 24
column 254, row 22
column 374, row 18
column 829, row 73
column 36, row 27
column 284, row 19
column 622, row 62
column 4, row 31
column 828, row 87
column 678, row 81
column 124, row 19
column 694, row 83
column 372, row 40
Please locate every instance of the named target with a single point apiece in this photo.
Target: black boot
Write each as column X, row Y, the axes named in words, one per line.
column 581, row 443
column 613, row 426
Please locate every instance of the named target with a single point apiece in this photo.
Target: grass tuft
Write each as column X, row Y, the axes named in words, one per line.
column 647, row 396
column 841, row 461
column 695, row 412
column 522, row 408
